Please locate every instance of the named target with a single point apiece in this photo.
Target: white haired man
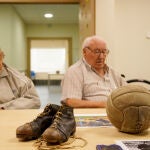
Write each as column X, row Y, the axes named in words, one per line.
column 88, row 82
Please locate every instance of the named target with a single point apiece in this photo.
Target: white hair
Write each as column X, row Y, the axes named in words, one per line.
column 87, row 40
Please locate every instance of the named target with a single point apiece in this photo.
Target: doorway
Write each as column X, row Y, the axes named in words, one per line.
column 48, row 56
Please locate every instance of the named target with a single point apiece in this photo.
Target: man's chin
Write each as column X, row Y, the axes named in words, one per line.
column 100, row 65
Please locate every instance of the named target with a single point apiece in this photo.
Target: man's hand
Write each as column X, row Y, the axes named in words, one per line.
column 78, row 103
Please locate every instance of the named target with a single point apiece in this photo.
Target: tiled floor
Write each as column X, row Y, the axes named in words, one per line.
column 49, row 94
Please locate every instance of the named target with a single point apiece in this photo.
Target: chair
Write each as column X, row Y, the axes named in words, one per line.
column 41, row 78
column 143, row 82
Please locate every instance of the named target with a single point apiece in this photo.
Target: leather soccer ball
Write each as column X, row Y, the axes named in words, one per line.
column 128, row 108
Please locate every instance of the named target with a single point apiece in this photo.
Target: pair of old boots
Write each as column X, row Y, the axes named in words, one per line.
column 55, row 124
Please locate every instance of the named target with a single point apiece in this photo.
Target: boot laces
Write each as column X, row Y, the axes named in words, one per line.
column 46, row 111
column 57, row 119
column 74, row 142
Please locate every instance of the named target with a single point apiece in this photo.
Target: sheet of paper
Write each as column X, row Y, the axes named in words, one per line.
column 92, row 120
column 108, row 147
column 134, row 144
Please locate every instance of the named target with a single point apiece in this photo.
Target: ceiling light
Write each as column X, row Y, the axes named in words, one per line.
column 48, row 15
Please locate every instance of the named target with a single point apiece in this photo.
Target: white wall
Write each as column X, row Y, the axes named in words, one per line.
column 12, row 37
column 13, row 34
column 57, row 30
column 124, row 25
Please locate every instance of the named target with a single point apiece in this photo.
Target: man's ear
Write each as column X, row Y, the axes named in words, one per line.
column 84, row 52
column 1, row 55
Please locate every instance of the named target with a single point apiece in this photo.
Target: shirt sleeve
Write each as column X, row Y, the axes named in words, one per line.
column 28, row 98
column 72, row 84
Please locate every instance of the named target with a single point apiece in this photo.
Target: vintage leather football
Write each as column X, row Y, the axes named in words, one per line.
column 128, row 108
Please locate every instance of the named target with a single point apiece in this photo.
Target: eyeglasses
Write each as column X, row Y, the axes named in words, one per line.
column 98, row 51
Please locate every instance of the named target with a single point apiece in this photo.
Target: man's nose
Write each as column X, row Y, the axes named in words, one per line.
column 101, row 55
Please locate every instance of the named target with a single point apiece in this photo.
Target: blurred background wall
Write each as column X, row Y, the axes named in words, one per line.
column 125, row 25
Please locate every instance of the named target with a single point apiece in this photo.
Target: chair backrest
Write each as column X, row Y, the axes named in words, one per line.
column 142, row 82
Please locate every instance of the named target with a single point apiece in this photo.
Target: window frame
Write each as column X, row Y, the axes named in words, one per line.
column 29, row 40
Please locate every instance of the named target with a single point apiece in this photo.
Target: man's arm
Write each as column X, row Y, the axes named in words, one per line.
column 78, row 103
column 28, row 99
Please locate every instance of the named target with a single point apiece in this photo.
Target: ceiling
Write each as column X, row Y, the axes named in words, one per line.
column 34, row 13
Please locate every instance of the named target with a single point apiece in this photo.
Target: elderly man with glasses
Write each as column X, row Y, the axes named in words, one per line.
column 88, row 82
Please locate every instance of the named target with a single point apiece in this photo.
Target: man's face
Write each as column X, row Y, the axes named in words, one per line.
column 95, row 54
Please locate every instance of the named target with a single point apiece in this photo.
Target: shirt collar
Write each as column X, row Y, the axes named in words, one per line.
column 86, row 64
column 90, row 67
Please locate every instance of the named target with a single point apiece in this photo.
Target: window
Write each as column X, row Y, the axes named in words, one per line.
column 49, row 56
column 48, row 60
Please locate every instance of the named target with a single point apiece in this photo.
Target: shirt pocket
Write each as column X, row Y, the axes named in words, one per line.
column 90, row 88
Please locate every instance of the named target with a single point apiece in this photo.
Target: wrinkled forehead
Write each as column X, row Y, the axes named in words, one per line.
column 94, row 42
column 97, row 44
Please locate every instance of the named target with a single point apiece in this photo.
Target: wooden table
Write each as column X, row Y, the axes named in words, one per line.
column 11, row 119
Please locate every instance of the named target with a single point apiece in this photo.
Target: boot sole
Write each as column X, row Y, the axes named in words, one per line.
column 25, row 137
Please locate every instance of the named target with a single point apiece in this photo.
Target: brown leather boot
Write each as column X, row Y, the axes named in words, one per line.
column 62, row 128
column 34, row 129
